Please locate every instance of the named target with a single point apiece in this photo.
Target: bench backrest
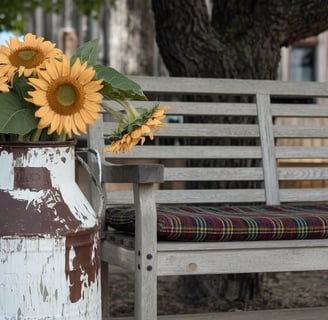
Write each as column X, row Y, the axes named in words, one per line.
column 231, row 141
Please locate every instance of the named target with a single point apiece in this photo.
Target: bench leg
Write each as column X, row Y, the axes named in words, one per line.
column 104, row 290
column 145, row 253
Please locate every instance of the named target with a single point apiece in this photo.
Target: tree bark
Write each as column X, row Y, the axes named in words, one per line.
column 132, row 34
column 234, row 38
column 231, row 39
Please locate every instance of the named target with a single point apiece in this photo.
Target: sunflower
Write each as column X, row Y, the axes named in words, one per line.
column 4, row 85
column 26, row 57
column 67, row 96
column 129, row 139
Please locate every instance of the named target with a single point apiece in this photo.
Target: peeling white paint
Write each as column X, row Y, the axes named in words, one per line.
column 71, row 256
column 6, row 176
column 30, row 288
column 34, row 281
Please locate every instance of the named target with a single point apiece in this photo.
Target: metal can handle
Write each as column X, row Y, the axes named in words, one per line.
column 94, row 178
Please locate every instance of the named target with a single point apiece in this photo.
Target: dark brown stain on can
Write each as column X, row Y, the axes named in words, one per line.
column 50, row 216
column 82, row 269
column 33, row 178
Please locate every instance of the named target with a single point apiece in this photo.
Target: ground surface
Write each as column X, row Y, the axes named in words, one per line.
column 282, row 290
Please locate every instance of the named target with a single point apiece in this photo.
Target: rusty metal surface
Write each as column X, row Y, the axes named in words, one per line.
column 49, row 239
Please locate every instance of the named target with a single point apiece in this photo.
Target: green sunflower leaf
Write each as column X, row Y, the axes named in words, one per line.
column 88, row 52
column 14, row 117
column 20, row 86
column 118, row 86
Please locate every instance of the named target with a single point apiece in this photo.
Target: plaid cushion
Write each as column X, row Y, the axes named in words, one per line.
column 236, row 223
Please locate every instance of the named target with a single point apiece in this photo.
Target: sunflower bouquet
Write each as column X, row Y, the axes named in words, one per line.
column 46, row 96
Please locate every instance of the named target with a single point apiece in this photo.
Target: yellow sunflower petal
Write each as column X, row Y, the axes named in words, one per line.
column 94, row 85
column 87, row 75
column 94, row 96
column 54, row 123
column 44, row 111
column 92, row 106
column 43, row 123
column 4, row 86
column 76, row 69
column 38, row 83
column 80, row 123
column 89, row 117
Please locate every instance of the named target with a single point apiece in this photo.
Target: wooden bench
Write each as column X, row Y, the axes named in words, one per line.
column 249, row 129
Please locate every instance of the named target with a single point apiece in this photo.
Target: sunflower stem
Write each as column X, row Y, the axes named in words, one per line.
column 36, row 135
column 118, row 117
column 62, row 136
column 131, row 113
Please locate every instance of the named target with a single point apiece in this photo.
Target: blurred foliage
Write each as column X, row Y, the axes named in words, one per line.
column 15, row 13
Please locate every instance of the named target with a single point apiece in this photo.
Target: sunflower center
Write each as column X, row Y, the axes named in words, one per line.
column 66, row 95
column 27, row 57
column 26, row 54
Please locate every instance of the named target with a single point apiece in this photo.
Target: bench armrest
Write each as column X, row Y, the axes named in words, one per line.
column 133, row 173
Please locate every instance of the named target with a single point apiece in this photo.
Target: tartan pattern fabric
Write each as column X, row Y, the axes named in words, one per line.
column 237, row 223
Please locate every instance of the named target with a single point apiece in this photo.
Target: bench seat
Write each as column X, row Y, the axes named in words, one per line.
column 233, row 223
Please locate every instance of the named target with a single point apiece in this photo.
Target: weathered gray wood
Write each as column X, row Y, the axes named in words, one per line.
column 232, row 86
column 308, row 173
column 234, row 257
column 268, row 149
column 197, row 108
column 203, row 130
column 228, row 108
column 299, row 110
column 191, row 152
column 302, row 152
column 145, row 252
column 143, row 173
column 304, row 195
column 300, row 132
column 243, row 261
column 193, row 196
column 221, row 144
column 214, row 174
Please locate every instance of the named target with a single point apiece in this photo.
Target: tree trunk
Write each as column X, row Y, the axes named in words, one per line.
column 132, row 34
column 230, row 39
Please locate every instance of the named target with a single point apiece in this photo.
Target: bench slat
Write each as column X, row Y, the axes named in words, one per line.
column 308, row 173
column 204, row 86
column 190, row 152
column 234, row 109
column 285, row 152
column 304, row 195
column 230, row 130
column 197, row 108
column 201, row 130
column 240, row 174
column 213, row 174
column 300, row 132
column 299, row 110
column 193, row 196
